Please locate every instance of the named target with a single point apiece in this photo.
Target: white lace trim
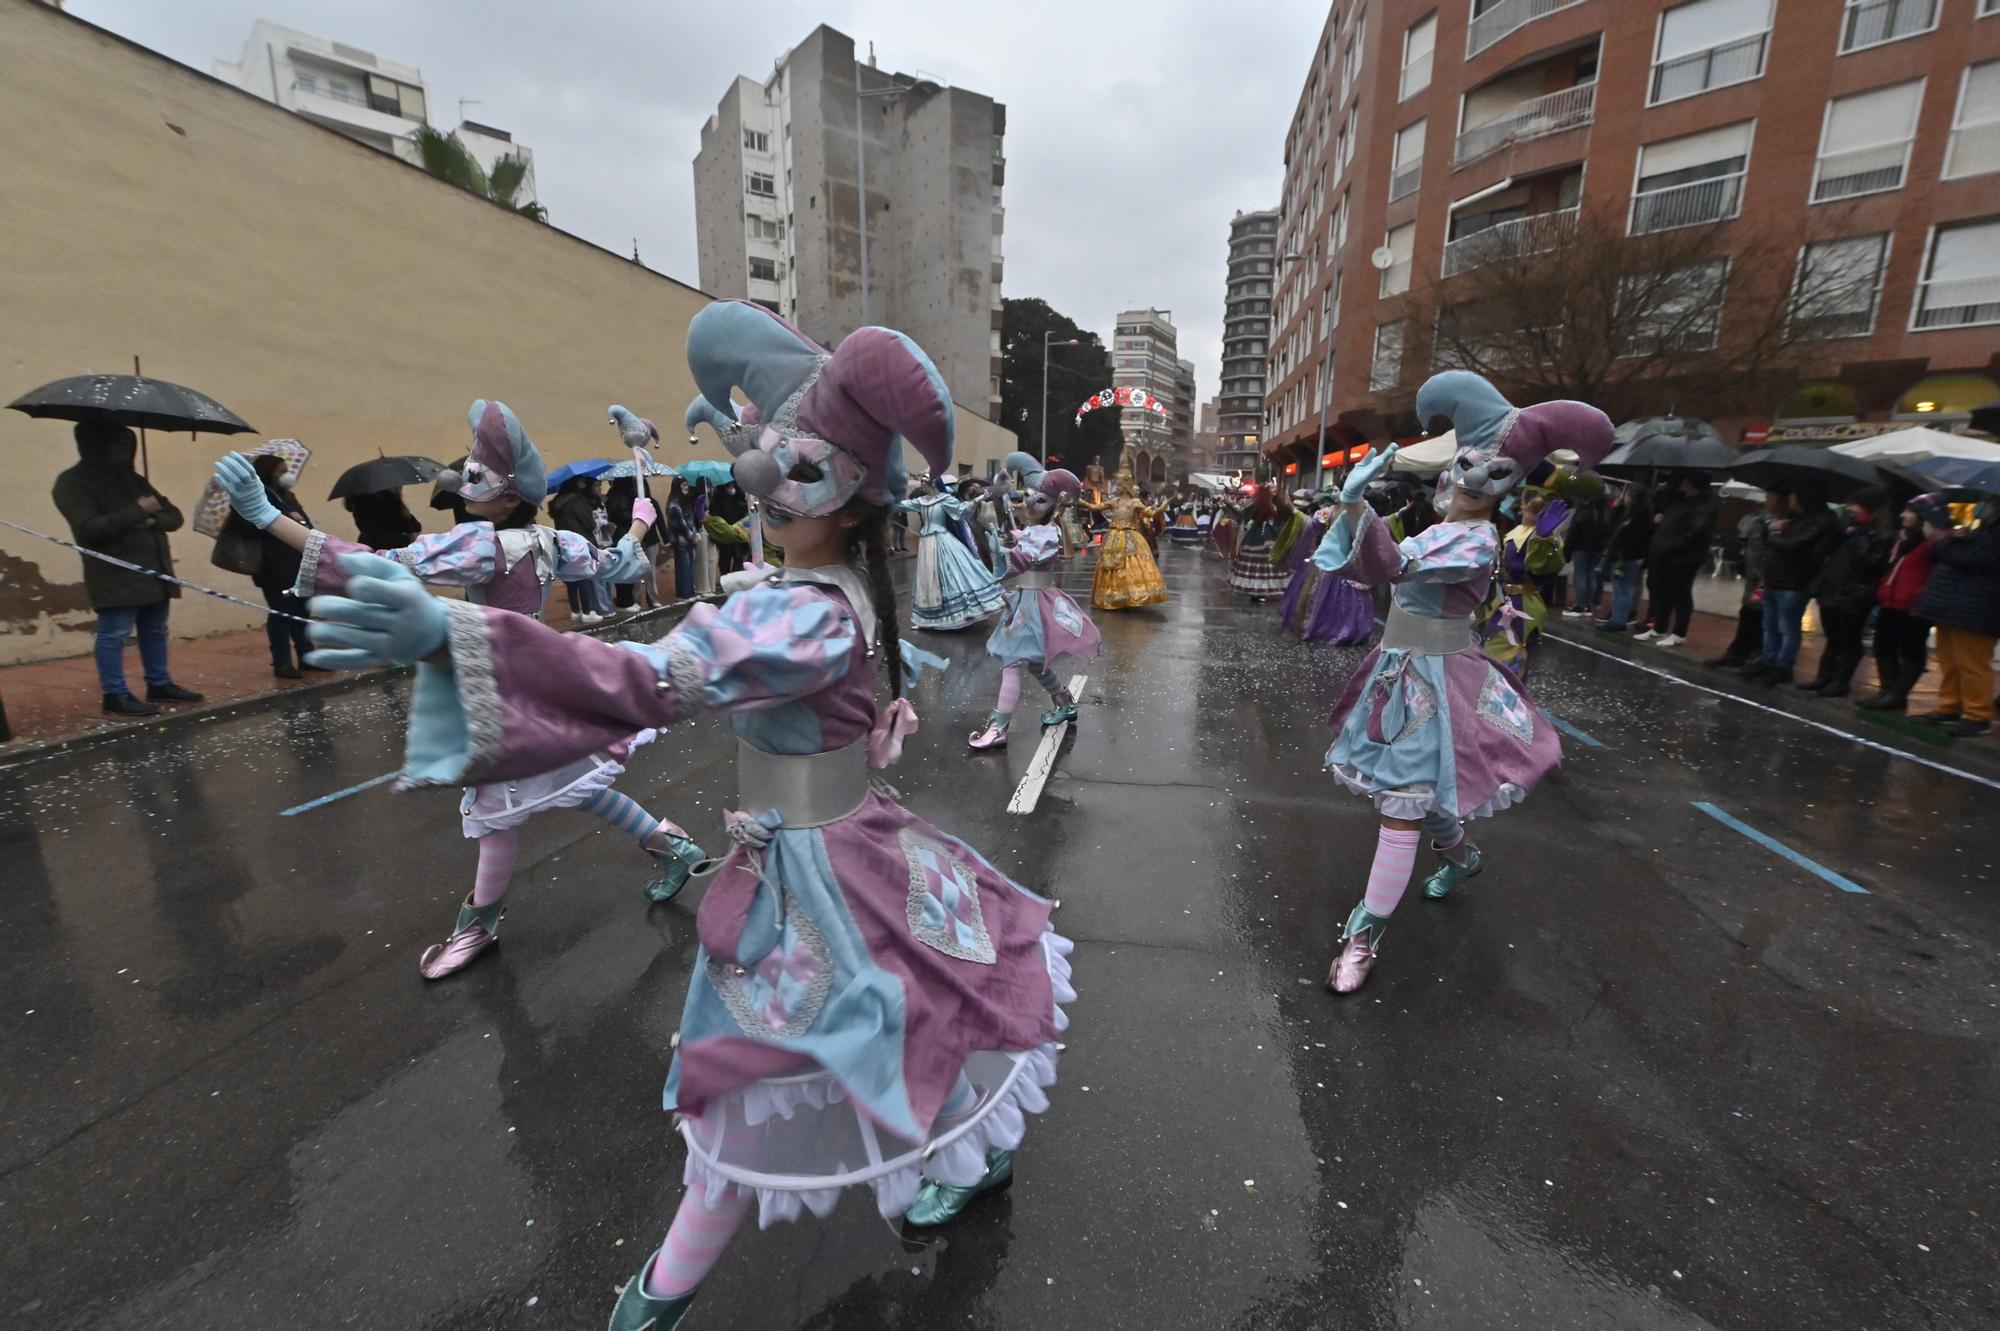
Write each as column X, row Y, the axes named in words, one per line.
column 1412, row 805
column 303, row 586
column 478, row 692
column 685, row 673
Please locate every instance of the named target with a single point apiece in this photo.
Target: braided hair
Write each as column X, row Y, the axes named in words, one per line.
column 870, row 539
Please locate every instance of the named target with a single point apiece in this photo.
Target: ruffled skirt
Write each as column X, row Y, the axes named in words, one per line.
column 950, row 589
column 1127, row 574
column 1252, row 573
column 1337, row 611
column 499, row 805
column 1040, row 625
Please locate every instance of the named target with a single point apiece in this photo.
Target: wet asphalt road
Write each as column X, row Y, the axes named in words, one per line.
column 1645, row 1073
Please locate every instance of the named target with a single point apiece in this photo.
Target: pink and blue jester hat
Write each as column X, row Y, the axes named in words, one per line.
column 1500, row 444
column 1048, row 489
column 820, row 428
column 503, row 461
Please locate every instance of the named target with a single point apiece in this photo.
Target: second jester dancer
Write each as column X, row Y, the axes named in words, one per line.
column 1042, row 622
column 873, row 1003
column 502, row 558
column 1431, row 729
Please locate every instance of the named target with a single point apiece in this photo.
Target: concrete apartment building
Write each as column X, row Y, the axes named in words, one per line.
column 1246, row 338
column 777, row 182
column 1145, row 353
column 1863, row 134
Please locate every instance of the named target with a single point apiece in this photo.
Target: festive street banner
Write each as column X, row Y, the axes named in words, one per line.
column 1137, row 398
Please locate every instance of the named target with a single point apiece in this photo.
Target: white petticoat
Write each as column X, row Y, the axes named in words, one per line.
column 1410, row 805
column 499, row 805
column 796, row 1142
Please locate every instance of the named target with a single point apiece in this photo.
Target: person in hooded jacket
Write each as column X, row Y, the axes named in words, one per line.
column 112, row 509
column 1902, row 638
column 1845, row 589
column 1963, row 599
column 1674, row 555
column 277, row 570
column 1795, row 545
column 1625, row 555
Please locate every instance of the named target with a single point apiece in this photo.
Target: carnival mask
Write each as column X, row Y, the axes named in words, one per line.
column 799, row 474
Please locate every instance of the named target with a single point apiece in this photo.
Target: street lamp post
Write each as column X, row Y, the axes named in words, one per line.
column 1325, row 394
column 1046, row 344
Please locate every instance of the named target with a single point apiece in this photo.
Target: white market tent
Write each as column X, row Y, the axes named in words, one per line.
column 1427, row 456
column 1919, row 443
column 1214, row 482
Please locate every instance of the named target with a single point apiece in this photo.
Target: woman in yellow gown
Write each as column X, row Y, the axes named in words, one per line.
column 1127, row 575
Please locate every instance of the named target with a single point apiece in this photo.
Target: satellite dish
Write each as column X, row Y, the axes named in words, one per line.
column 1383, row 258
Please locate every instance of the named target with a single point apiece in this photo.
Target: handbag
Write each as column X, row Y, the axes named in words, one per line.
column 239, row 548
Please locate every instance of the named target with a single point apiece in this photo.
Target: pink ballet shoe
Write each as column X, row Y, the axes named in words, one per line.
column 993, row 736
column 477, row 929
column 1357, row 955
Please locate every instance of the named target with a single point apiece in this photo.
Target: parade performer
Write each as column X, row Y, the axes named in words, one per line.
column 1127, row 574
column 1429, row 728
column 503, row 559
column 1291, row 555
column 950, row 589
column 1258, row 524
column 873, row 1003
column 1042, row 622
column 1325, row 607
column 1530, row 554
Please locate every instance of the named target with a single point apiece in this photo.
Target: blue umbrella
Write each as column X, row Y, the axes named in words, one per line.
column 706, row 469
column 569, row 471
column 1961, row 474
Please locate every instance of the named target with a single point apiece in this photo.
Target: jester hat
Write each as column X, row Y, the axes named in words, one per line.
column 820, row 427
column 1499, row 443
column 1049, row 488
column 503, row 460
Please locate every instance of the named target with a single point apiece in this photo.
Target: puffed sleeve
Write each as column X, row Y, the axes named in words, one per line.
column 1363, row 551
column 520, row 698
column 577, row 560
column 465, row 556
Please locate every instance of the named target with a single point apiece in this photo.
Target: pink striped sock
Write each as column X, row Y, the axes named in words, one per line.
column 1395, row 860
column 497, row 853
column 695, row 1241
column 1010, row 691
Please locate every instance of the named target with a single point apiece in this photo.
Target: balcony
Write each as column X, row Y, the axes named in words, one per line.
column 1873, row 22
column 1964, row 302
column 1702, row 71
column 1510, row 240
column 1406, row 179
column 1716, row 199
column 1859, row 171
column 1552, row 113
column 1503, row 17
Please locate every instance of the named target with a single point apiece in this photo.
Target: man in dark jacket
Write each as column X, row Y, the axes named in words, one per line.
column 1795, row 545
column 1845, row 589
column 1963, row 599
column 1674, row 555
column 1625, row 555
column 113, row 509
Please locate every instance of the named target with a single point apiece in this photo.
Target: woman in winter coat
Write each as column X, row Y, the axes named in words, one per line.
column 1963, row 599
column 1902, row 638
column 1845, row 589
column 1795, row 545
column 572, row 510
column 285, row 626
column 1625, row 555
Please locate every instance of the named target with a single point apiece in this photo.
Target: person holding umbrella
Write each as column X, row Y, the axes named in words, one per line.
column 1674, row 553
column 1962, row 598
column 112, row 509
column 1902, row 638
column 1845, row 590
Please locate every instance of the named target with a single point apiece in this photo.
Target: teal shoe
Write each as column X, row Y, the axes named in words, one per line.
column 1061, row 712
column 939, row 1203
column 676, row 867
column 640, row 1311
column 1448, row 876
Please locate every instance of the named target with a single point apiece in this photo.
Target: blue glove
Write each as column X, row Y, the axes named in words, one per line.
column 246, row 491
column 1370, row 467
column 386, row 618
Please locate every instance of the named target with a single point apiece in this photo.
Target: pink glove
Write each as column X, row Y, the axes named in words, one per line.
column 644, row 512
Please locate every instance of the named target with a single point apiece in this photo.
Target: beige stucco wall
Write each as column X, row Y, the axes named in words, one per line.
column 318, row 288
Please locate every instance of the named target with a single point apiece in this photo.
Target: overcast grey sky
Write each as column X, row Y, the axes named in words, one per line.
column 1134, row 130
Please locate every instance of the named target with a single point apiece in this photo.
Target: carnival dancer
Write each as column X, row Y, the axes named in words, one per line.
column 1530, row 554
column 950, row 588
column 873, row 1002
column 1257, row 526
column 1325, row 607
column 1429, row 728
column 503, row 559
column 1042, row 622
column 1127, row 574
column 1291, row 555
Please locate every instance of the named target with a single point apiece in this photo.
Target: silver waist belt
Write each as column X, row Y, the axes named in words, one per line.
column 1425, row 636
column 1035, row 579
column 807, row 790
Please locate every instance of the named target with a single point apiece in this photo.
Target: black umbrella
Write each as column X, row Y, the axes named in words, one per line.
column 128, row 399
column 384, row 474
column 1668, row 443
column 1961, row 474
column 1799, row 467
column 1902, row 481
column 1987, row 418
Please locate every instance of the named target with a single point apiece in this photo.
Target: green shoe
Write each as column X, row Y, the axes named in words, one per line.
column 1063, row 711
column 639, row 1311
column 677, row 865
column 938, row 1203
column 1448, row 876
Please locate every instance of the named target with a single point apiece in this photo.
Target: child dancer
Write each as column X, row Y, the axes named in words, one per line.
column 1041, row 622
column 502, row 559
column 1430, row 729
column 873, row 1002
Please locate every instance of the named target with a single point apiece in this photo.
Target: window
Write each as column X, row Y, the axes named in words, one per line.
column 756, row 141
column 395, row 99
column 763, row 270
column 1680, row 311
column 762, row 185
column 1974, row 148
column 1385, row 368
column 1340, row 151
column 1418, row 44
column 1988, row 8
column 1350, row 62
column 1838, row 286
column 306, row 82
column 1691, row 180
column 763, row 228
column 1336, row 227
column 1402, row 244
column 1872, row 22
column 1709, row 44
column 1409, row 169
column 1864, row 144
column 1961, row 282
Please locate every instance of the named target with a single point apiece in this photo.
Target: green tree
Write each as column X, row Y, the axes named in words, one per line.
column 1074, row 374
column 446, row 157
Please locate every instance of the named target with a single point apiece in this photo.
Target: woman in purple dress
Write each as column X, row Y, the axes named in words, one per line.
column 873, row 1003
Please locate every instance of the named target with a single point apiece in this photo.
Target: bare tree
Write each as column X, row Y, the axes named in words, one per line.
column 1677, row 321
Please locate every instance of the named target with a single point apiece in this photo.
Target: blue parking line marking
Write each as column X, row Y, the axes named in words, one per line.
column 339, row 794
column 1570, row 730
column 1781, row 850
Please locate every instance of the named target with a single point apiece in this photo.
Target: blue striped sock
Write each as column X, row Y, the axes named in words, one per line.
column 622, row 812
